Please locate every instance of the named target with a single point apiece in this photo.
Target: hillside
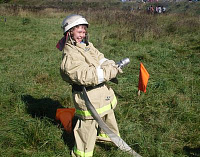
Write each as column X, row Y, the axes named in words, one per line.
column 172, row 7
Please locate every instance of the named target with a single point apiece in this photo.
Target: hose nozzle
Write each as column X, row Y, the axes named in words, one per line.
column 123, row 62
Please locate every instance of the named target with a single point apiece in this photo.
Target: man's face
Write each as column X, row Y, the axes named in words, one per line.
column 79, row 33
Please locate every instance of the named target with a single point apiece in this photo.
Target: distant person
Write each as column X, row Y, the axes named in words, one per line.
column 156, row 10
column 163, row 9
column 152, row 9
column 84, row 66
column 159, row 10
column 148, row 10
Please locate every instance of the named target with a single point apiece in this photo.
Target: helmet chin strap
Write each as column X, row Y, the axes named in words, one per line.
column 85, row 40
column 72, row 40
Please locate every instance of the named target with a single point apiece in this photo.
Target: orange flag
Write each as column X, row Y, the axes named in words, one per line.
column 65, row 116
column 143, row 78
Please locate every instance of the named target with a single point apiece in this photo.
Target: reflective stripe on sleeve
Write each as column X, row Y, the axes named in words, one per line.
column 99, row 110
column 100, row 74
column 81, row 153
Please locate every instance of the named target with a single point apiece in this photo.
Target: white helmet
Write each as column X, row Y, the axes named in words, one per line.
column 73, row 20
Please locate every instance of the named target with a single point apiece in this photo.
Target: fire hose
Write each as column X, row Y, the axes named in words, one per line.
column 119, row 142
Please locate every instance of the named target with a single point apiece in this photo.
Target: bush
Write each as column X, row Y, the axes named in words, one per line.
column 5, row 1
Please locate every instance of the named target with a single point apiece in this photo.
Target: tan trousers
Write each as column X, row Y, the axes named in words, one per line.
column 86, row 132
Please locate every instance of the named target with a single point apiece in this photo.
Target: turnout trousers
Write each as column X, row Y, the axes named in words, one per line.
column 86, row 133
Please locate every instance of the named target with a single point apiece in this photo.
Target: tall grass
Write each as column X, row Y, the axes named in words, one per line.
column 162, row 122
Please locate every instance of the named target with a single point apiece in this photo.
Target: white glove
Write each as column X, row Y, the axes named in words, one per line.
column 110, row 70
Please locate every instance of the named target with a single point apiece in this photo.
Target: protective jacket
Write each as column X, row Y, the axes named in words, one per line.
column 84, row 65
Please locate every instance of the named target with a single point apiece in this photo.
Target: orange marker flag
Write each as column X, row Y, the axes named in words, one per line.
column 65, row 116
column 143, row 79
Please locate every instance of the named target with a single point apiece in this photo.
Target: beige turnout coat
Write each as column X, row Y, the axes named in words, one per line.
column 85, row 65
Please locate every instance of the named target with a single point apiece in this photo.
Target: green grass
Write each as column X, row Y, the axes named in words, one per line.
column 163, row 122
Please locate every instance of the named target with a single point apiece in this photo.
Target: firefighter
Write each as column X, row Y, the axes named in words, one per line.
column 83, row 65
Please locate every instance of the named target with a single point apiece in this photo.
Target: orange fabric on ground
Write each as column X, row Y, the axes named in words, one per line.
column 65, row 116
column 143, row 78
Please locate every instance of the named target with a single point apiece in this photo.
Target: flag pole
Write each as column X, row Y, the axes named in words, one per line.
column 138, row 92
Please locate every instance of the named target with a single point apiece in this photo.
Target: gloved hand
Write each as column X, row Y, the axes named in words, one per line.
column 108, row 62
column 111, row 62
column 119, row 69
column 110, row 70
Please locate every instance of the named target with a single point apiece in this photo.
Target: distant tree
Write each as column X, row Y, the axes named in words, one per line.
column 4, row 1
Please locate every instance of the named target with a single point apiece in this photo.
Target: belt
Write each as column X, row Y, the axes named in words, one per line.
column 79, row 88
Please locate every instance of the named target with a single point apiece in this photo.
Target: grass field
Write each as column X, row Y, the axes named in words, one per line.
column 163, row 122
